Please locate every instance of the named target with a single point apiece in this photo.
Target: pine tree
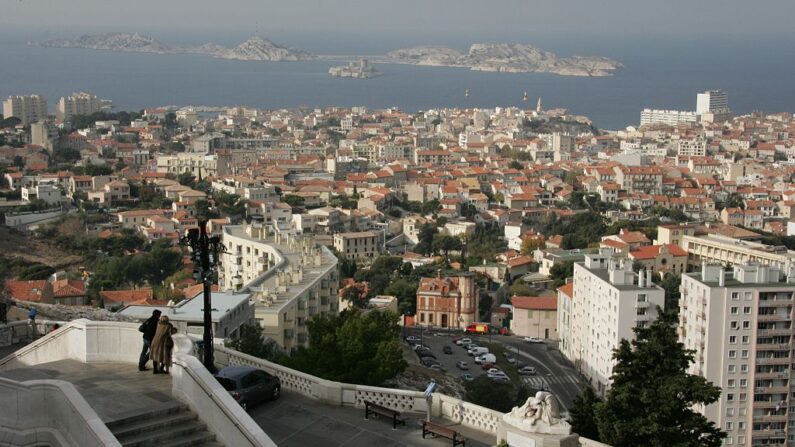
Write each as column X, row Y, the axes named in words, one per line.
column 582, row 413
column 652, row 397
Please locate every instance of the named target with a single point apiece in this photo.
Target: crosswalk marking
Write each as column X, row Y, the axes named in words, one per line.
column 541, row 381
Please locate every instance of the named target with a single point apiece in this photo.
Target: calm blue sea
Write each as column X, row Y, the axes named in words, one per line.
column 757, row 74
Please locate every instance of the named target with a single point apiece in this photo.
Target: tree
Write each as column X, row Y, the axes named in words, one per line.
column 559, row 272
column 250, row 340
column 531, row 244
column 515, row 165
column 497, row 396
column 583, row 421
column 444, row 243
column 355, row 295
column 293, row 200
column 425, row 237
column 652, row 398
column 187, row 179
column 352, row 347
column 670, row 283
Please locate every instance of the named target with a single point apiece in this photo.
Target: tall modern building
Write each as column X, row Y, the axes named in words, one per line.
column 712, row 101
column 739, row 324
column 28, row 108
column 607, row 301
column 81, row 103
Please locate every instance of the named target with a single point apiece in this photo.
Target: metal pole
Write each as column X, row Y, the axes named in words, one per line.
column 204, row 255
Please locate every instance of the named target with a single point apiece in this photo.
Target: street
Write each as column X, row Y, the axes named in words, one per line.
column 553, row 373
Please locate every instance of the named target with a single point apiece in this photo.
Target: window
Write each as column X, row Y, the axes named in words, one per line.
column 743, row 383
column 729, row 440
column 730, row 397
column 744, row 353
column 746, row 339
column 741, row 425
column 743, row 397
column 732, row 339
column 744, row 368
column 746, row 325
column 742, row 411
column 741, row 440
column 733, row 325
column 732, row 368
column 735, row 296
column 730, row 412
column 732, row 354
column 731, row 383
column 729, row 425
column 747, row 310
column 733, row 310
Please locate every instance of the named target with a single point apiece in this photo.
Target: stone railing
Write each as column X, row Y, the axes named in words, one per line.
column 327, row 391
column 49, row 412
column 466, row 413
column 195, row 386
column 19, row 331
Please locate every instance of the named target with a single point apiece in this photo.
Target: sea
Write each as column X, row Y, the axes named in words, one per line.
column 658, row 73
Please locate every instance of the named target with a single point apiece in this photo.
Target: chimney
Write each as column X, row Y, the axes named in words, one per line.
column 642, row 278
column 722, row 278
column 703, row 270
column 648, row 278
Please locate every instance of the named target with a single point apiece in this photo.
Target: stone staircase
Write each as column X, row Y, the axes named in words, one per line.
column 172, row 425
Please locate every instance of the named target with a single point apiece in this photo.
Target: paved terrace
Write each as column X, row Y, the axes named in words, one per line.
column 118, row 390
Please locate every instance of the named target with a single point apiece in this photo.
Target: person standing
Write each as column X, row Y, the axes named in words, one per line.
column 162, row 345
column 149, row 328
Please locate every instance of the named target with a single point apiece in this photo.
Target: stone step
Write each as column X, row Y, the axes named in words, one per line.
column 150, row 413
column 155, row 423
column 200, row 438
column 166, row 434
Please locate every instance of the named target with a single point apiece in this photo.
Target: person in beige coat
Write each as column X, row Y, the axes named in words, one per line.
column 162, row 345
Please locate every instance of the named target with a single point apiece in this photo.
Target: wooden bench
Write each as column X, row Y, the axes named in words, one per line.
column 378, row 410
column 440, row 430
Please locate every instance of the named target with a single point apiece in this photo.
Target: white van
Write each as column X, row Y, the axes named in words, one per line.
column 475, row 352
column 486, row 358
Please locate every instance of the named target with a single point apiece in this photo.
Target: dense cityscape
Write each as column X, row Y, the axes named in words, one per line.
column 369, row 246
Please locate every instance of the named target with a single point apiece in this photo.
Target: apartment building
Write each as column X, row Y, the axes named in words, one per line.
column 290, row 279
column 739, row 324
column 81, row 103
column 606, row 302
column 669, row 117
column 717, row 249
column 447, row 301
column 361, row 245
column 28, row 108
column 644, row 179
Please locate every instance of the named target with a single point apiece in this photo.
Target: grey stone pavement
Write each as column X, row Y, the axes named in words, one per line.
column 114, row 390
column 118, row 390
column 297, row 421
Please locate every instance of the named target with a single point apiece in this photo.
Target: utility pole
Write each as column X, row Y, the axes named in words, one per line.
column 204, row 254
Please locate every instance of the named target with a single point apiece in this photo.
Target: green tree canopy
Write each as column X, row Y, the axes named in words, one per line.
column 250, row 340
column 352, row 347
column 652, row 397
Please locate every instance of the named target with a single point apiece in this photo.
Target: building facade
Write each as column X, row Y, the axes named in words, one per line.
column 607, row 301
column 81, row 103
column 739, row 324
column 28, row 108
column 448, row 302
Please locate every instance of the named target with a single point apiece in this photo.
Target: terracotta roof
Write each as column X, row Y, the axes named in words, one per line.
column 652, row 251
column 535, row 302
column 567, row 289
column 68, row 287
column 136, row 296
column 25, row 290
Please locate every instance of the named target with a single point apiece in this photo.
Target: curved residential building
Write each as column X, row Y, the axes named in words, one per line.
column 290, row 279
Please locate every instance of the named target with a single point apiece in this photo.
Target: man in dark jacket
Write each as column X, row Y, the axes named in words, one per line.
column 149, row 327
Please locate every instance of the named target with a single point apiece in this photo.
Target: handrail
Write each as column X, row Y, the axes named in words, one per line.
column 63, row 330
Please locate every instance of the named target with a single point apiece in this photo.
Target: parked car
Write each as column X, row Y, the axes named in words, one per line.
column 249, row 386
column 461, row 341
column 509, row 358
column 423, row 353
column 478, row 351
column 413, row 339
column 533, row 340
column 494, row 371
column 447, row 350
column 462, row 365
column 430, row 362
column 487, row 366
column 500, row 378
column 486, row 358
column 456, row 338
column 418, row 347
column 467, row 377
column 527, row 371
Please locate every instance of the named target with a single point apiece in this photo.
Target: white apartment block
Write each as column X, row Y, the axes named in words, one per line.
column 28, row 108
column 669, row 117
column 739, row 324
column 716, row 249
column 608, row 301
column 289, row 278
column 712, row 101
column 81, row 103
column 695, row 147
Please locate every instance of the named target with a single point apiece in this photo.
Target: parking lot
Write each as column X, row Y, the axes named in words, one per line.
column 552, row 372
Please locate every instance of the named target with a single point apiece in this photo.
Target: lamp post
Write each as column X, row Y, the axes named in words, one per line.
column 204, row 254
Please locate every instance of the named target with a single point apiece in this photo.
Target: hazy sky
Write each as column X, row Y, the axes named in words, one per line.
column 734, row 18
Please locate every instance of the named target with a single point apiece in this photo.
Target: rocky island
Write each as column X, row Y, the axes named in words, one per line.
column 506, row 57
column 359, row 70
column 254, row 49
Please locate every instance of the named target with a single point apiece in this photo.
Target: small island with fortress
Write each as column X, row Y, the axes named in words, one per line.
column 360, row 69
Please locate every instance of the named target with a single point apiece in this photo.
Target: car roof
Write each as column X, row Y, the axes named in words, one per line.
column 235, row 372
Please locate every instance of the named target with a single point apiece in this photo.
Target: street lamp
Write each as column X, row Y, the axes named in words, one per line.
column 204, row 254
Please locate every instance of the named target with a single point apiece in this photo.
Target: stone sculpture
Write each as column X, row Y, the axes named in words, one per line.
column 539, row 414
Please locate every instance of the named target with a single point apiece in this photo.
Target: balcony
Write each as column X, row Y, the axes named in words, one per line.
column 774, row 317
column 775, row 303
column 773, row 361
column 771, row 375
column 781, row 389
column 288, row 334
column 773, row 332
column 773, row 403
column 772, row 418
column 772, row 347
